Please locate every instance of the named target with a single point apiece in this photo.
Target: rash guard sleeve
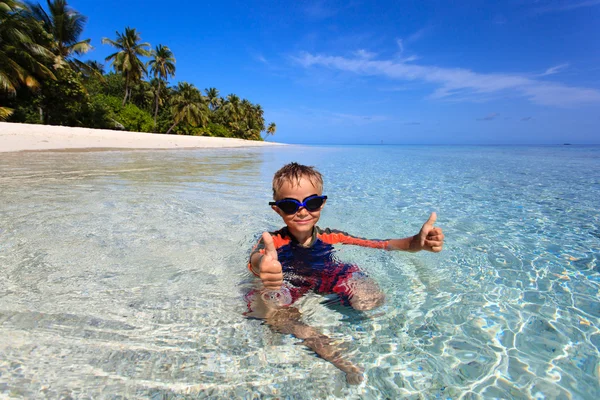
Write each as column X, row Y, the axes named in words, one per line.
column 332, row 236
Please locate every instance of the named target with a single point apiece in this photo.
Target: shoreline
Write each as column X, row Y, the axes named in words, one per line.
column 16, row 137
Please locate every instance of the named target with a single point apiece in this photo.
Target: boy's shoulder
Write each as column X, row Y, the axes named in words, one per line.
column 283, row 236
column 331, row 235
column 318, row 231
column 282, row 232
column 327, row 230
column 280, row 237
column 335, row 236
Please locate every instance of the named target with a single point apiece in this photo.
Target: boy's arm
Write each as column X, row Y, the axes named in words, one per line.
column 406, row 244
column 429, row 238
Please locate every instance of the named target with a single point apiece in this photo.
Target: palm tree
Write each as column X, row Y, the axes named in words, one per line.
column 127, row 59
column 159, row 93
column 22, row 59
column 96, row 66
column 271, row 129
column 248, row 124
column 188, row 104
column 214, row 101
column 233, row 111
column 258, row 119
column 65, row 25
column 142, row 94
column 161, row 66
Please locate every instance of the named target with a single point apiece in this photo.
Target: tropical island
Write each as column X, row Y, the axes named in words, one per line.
column 42, row 81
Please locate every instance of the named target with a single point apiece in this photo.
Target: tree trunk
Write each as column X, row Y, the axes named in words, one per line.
column 156, row 110
column 126, row 89
column 171, row 128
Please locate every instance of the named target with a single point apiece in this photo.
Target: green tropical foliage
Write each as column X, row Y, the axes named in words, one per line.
column 127, row 59
column 162, row 65
column 24, row 53
column 42, row 80
column 188, row 105
column 65, row 26
column 212, row 96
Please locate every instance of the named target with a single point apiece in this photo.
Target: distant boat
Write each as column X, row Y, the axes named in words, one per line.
column 566, row 144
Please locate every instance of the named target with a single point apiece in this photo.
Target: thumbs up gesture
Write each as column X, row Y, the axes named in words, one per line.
column 430, row 238
column 270, row 271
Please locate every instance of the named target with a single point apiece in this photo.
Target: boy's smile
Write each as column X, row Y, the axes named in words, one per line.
column 301, row 223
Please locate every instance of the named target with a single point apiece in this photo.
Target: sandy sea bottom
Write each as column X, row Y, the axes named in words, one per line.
column 123, row 273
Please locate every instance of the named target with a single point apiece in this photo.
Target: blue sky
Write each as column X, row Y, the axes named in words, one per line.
column 402, row 72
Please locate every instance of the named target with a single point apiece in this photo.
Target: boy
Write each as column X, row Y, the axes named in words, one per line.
column 299, row 258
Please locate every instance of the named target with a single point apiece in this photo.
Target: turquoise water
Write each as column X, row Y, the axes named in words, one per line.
column 122, row 274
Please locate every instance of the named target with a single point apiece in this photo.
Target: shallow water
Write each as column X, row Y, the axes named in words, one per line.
column 123, row 273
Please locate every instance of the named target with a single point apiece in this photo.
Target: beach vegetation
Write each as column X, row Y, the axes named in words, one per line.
column 218, row 130
column 63, row 101
column 65, row 26
column 43, row 80
column 127, row 59
column 213, row 98
column 188, row 104
column 162, row 65
column 24, row 54
column 135, row 119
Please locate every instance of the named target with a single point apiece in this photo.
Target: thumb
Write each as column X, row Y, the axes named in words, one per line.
column 269, row 245
column 431, row 219
column 427, row 226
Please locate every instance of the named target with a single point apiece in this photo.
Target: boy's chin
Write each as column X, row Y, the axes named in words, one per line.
column 302, row 227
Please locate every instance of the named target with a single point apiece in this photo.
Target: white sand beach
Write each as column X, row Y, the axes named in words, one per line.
column 28, row 137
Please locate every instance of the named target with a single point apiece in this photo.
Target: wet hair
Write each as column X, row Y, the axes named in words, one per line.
column 292, row 173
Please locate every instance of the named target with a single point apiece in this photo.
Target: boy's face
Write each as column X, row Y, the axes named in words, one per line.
column 302, row 222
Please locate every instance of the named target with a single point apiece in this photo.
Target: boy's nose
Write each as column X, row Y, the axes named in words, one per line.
column 302, row 211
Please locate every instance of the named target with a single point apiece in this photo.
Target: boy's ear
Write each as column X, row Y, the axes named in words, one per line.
column 277, row 210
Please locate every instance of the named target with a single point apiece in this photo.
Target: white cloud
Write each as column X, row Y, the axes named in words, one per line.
column 361, row 53
column 400, row 45
column 417, row 35
column 321, row 117
column 412, row 38
column 458, row 81
column 335, row 117
column 262, row 59
column 555, row 70
column 409, row 59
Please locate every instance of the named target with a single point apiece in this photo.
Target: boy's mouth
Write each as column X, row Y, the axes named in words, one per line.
column 303, row 221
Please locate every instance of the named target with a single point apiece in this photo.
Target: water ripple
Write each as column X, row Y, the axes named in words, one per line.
column 123, row 274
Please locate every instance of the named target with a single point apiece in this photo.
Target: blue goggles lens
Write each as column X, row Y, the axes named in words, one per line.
column 291, row 206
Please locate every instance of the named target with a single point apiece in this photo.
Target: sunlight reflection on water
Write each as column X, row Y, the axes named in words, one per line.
column 123, row 274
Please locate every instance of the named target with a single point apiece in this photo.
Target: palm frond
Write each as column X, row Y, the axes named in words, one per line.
column 5, row 112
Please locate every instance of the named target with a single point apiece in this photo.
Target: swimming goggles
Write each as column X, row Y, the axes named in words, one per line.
column 291, row 206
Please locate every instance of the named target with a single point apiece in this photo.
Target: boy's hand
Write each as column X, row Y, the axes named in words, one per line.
column 430, row 238
column 270, row 271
